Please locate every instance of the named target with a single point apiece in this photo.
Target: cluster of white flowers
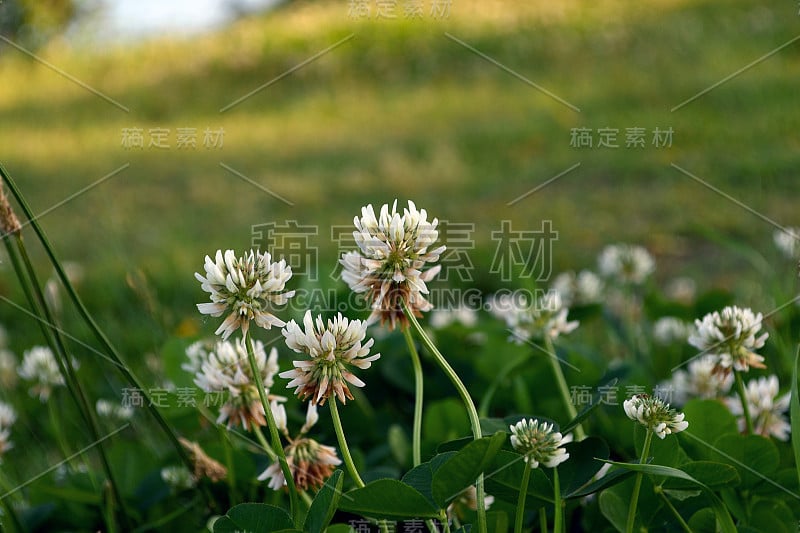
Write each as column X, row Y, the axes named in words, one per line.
column 732, row 335
column 547, row 317
column 464, row 315
column 393, row 250
column 7, row 418
column 766, row 407
column 332, row 349
column 787, row 241
column 178, row 478
column 539, row 443
column 699, row 380
column 114, row 411
column 227, row 368
column 248, row 286
column 671, row 330
column 583, row 288
column 310, row 462
column 40, row 366
column 626, row 263
column 654, row 414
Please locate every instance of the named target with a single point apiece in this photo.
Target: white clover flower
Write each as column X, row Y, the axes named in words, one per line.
column 732, row 335
column 40, row 365
column 466, row 316
column 681, row 289
column 699, row 380
column 7, row 418
column 546, row 318
column 787, row 241
column 197, row 352
column 539, row 443
column 310, row 462
column 227, row 368
column 111, row 410
column 393, row 250
column 583, row 288
column 626, row 263
column 671, row 330
column 333, row 349
column 178, row 478
column 654, row 414
column 247, row 286
column 766, row 408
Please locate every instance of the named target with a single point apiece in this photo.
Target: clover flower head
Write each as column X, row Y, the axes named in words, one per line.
column 461, row 314
column 546, row 317
column 310, row 462
column 226, row 368
column 732, row 335
column 767, row 408
column 670, row 330
column 393, row 251
column 583, row 288
column 654, row 414
column 539, row 442
column 626, row 263
column 787, row 240
column 40, row 366
column 177, row 477
column 248, row 287
column 699, row 380
column 332, row 348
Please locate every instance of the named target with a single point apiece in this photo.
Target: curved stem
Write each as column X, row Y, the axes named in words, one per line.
column 523, row 493
column 348, row 459
column 558, row 523
column 468, row 403
column 277, row 445
column 637, row 486
column 743, row 398
column 563, row 389
column 418, row 395
column 90, row 322
column 543, row 519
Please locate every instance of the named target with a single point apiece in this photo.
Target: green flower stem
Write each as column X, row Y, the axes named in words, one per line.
column 348, row 459
column 8, row 506
column 486, row 401
column 264, row 444
column 743, row 398
column 230, row 479
column 562, row 385
column 675, row 512
column 558, row 521
column 523, row 493
column 418, row 394
column 96, row 331
column 277, row 445
column 30, row 286
column 637, row 486
column 543, row 519
column 468, row 403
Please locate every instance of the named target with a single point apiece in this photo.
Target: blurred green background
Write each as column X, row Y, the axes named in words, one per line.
column 402, row 110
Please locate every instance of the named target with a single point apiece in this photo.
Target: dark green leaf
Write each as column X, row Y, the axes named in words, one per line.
column 461, row 471
column 712, row 475
column 755, row 457
column 505, row 474
column 614, row 508
column 421, row 477
column 724, row 519
column 388, row 498
column 252, row 518
column 583, row 463
column 324, row 505
column 708, row 421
